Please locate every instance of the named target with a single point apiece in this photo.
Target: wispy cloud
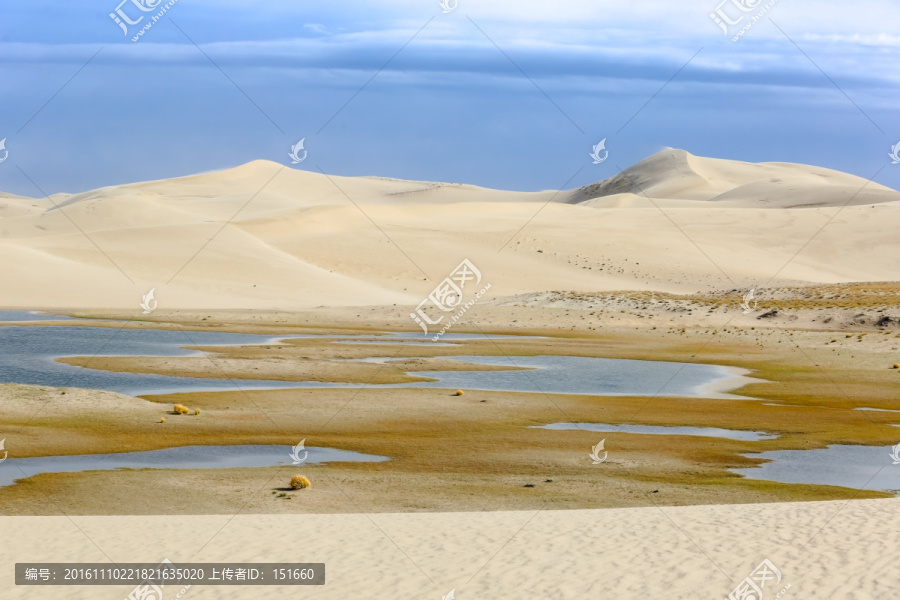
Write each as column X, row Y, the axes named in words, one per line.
column 609, row 57
column 450, row 106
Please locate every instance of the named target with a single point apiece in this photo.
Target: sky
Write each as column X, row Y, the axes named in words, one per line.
column 503, row 94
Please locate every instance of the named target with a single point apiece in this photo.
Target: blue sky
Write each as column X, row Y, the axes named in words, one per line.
column 506, row 94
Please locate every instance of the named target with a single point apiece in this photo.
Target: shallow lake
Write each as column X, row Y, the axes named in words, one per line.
column 388, row 342
column 184, row 457
column 18, row 316
column 28, row 353
column 27, row 356
column 859, row 467
column 417, row 339
column 730, row 434
column 579, row 375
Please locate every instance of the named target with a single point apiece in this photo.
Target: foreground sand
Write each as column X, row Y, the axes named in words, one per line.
column 835, row 550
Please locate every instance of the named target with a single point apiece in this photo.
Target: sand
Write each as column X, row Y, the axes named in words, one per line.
column 264, row 236
column 837, row 550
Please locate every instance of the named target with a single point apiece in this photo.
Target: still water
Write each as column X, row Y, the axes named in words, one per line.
column 729, row 434
column 183, row 457
column 28, row 353
column 859, row 467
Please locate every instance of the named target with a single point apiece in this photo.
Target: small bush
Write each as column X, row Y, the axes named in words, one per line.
column 298, row 482
column 896, row 366
column 162, row 419
column 181, row 409
column 458, row 393
column 196, row 411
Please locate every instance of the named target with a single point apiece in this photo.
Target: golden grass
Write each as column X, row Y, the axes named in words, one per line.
column 299, row 482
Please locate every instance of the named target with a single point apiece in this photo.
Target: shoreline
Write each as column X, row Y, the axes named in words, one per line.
column 722, row 388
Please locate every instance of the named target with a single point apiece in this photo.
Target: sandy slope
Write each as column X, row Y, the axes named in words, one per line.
column 833, row 550
column 266, row 236
column 675, row 175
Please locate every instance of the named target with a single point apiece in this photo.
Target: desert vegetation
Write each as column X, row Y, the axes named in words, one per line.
column 299, row 482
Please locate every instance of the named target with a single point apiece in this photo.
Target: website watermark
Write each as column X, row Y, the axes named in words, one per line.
column 595, row 452
column 129, row 26
column 895, row 153
column 749, row 298
column 294, row 154
column 734, row 16
column 597, row 149
column 149, row 590
column 753, row 586
column 148, row 302
column 295, row 454
column 448, row 297
column 150, row 579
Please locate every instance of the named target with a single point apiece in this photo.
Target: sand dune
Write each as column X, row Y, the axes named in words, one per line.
column 266, row 236
column 673, row 175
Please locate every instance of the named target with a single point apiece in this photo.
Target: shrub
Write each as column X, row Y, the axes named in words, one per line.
column 181, row 409
column 162, row 419
column 196, row 411
column 896, row 366
column 298, row 482
column 458, row 393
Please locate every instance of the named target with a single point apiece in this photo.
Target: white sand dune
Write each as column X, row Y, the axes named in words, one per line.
column 835, row 550
column 674, row 175
column 266, row 236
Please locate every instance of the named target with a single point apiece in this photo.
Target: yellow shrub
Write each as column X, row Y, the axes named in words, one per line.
column 458, row 393
column 181, row 409
column 298, row 482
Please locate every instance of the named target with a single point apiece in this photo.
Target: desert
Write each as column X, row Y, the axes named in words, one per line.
column 808, row 369
column 449, row 300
